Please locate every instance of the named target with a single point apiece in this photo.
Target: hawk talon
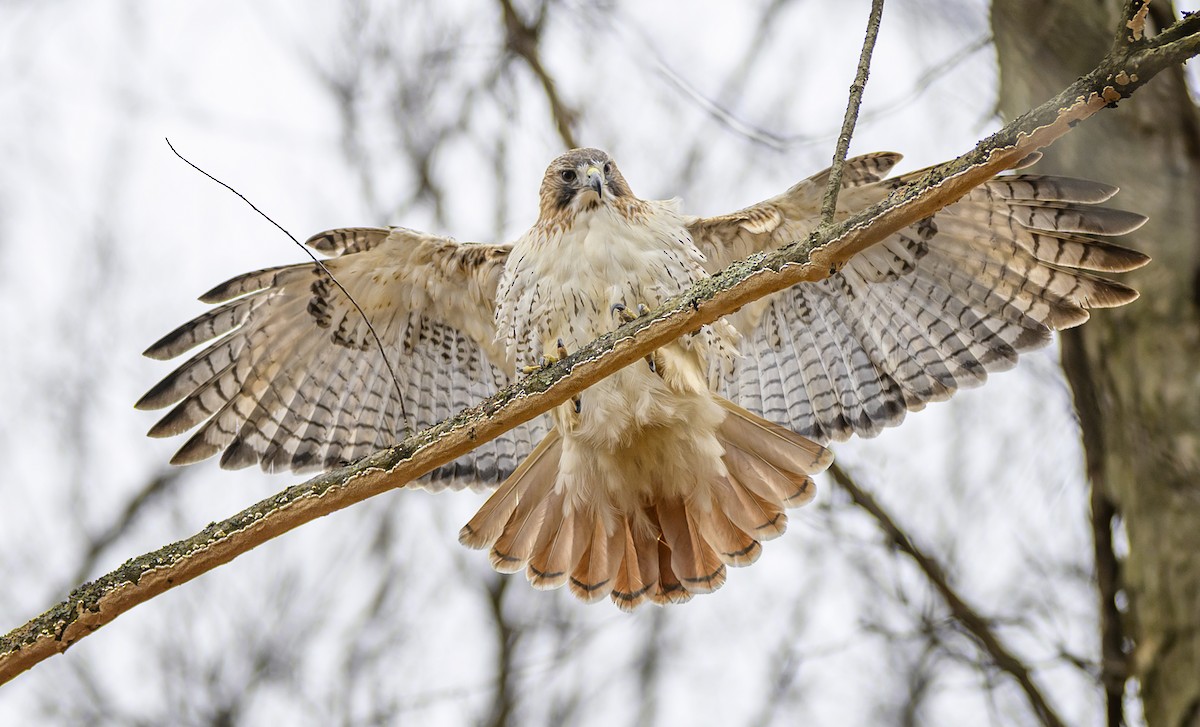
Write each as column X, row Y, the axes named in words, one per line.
column 548, row 359
column 623, row 312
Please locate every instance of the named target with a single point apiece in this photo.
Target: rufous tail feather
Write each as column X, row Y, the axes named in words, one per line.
column 667, row 548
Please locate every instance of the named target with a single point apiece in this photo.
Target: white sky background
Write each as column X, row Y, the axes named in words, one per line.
column 107, row 239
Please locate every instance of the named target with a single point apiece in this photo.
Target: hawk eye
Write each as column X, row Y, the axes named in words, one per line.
column 568, row 175
column 607, row 168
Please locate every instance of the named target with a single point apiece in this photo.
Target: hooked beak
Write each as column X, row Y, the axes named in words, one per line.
column 595, row 180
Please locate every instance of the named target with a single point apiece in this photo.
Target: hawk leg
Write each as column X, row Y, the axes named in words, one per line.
column 624, row 316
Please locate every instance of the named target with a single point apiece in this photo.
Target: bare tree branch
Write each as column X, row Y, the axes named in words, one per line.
column 829, row 204
column 974, row 623
column 93, row 605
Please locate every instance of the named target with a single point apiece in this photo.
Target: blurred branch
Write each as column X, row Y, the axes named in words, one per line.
column 506, row 643
column 971, row 620
column 720, row 113
column 93, row 605
column 522, row 40
column 1114, row 661
column 373, row 78
column 649, row 671
column 917, row 688
column 784, row 667
column 718, row 106
column 829, row 204
column 922, row 83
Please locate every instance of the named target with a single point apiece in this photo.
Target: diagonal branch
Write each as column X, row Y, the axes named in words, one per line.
column 95, row 604
column 974, row 623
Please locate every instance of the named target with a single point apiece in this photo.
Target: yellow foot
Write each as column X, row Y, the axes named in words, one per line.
column 561, row 353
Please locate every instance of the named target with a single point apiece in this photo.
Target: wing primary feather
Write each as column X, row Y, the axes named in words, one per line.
column 248, row 283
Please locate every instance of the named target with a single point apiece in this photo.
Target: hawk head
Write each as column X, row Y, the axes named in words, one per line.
column 581, row 180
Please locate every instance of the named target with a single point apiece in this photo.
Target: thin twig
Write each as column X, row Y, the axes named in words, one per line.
column 93, row 605
column 971, row 620
column 932, row 75
column 378, row 342
column 719, row 106
column 829, row 205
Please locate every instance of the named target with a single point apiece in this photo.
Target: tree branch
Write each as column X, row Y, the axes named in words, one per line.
column 95, row 604
column 829, row 204
column 975, row 624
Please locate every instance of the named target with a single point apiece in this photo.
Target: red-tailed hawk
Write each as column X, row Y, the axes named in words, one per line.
column 656, row 478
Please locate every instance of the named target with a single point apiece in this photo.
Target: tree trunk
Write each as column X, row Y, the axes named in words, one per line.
column 1135, row 371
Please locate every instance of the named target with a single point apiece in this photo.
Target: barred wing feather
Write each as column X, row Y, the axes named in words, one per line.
column 290, row 377
column 931, row 309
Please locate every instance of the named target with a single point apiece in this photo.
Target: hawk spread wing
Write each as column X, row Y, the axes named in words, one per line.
column 929, row 310
column 291, row 377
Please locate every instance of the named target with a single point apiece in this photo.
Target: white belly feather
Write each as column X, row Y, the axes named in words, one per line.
column 638, row 432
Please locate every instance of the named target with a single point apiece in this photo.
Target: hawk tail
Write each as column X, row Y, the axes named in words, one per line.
column 668, row 548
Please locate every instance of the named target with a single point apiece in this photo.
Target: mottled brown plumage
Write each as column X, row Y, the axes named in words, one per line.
column 656, row 479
